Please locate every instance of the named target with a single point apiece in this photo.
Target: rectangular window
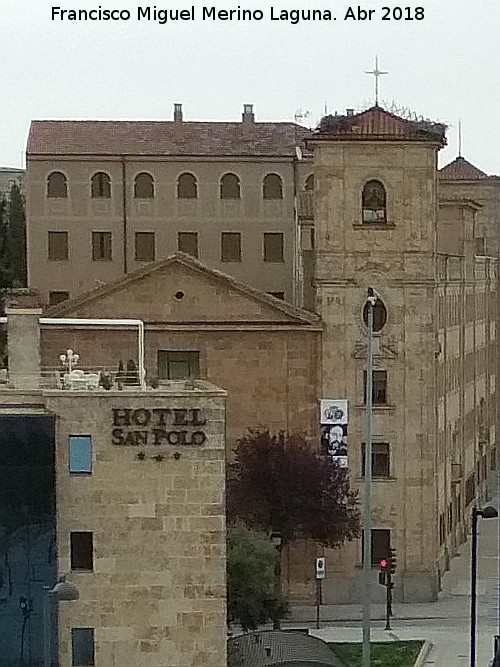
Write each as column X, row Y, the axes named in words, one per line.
column 188, row 242
column 145, row 246
column 80, row 453
column 82, row 551
column 178, row 365
column 101, row 246
column 230, row 247
column 57, row 246
column 380, row 459
column 273, row 247
column 278, row 295
column 82, row 647
column 381, row 542
column 57, row 297
column 379, row 391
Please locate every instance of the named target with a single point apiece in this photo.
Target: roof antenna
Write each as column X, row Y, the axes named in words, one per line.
column 377, row 74
column 459, row 137
column 326, row 108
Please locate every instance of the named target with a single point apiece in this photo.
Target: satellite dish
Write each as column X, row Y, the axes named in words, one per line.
column 298, row 152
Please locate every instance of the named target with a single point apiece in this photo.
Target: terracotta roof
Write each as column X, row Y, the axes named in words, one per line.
column 379, row 124
column 461, row 170
column 91, row 137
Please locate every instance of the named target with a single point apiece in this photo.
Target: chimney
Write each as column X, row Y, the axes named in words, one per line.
column 349, row 112
column 248, row 115
column 23, row 338
column 177, row 113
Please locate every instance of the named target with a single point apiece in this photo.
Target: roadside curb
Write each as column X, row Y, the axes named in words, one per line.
column 424, row 652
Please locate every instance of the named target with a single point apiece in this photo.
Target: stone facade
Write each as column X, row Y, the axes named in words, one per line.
column 166, row 214
column 155, row 591
column 265, row 353
column 428, row 419
column 430, row 249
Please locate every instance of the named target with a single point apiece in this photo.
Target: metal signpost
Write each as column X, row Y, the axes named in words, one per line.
column 320, row 575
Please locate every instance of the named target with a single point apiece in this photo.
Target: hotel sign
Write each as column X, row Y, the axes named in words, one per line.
column 158, row 426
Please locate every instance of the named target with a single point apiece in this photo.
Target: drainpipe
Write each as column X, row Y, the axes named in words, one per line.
column 124, row 202
column 76, row 321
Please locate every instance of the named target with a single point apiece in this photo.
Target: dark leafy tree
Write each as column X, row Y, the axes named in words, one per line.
column 278, row 483
column 250, row 566
column 16, row 244
column 5, row 264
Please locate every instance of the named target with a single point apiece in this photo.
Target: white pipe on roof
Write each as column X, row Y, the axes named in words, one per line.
column 103, row 323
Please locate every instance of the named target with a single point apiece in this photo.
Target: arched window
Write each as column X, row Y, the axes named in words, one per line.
column 57, row 185
column 187, row 187
column 230, row 187
column 100, row 185
column 374, row 202
column 309, row 185
column 272, row 187
column 144, row 186
column 379, row 315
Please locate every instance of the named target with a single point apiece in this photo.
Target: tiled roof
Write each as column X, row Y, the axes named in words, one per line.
column 379, row 124
column 272, row 648
column 461, row 170
column 91, row 137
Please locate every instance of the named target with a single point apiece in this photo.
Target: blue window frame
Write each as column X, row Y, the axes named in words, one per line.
column 80, row 454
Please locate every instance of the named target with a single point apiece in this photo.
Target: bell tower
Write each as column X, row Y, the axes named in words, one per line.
column 375, row 224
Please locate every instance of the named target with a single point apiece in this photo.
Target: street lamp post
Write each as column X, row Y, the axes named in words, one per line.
column 487, row 513
column 63, row 590
column 367, row 527
column 277, row 542
column 69, row 359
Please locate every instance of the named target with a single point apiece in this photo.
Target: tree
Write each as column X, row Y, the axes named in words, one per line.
column 279, row 484
column 17, row 237
column 5, row 268
column 250, row 566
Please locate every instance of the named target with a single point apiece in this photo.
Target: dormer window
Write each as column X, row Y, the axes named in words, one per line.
column 374, row 203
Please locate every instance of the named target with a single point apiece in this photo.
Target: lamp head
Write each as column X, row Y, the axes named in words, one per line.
column 488, row 512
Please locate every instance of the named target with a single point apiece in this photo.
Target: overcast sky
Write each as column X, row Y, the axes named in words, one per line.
column 443, row 67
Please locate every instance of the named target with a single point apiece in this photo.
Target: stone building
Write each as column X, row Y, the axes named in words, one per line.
column 200, row 323
column 106, row 197
column 121, row 492
column 363, row 204
column 435, row 403
column 10, row 176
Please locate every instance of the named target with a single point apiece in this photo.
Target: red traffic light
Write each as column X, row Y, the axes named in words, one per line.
column 383, row 563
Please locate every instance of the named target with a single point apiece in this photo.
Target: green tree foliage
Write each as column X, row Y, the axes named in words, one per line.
column 5, row 269
column 250, row 570
column 13, row 240
column 279, row 484
column 17, row 237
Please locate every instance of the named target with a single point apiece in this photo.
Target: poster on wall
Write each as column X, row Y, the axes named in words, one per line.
column 334, row 422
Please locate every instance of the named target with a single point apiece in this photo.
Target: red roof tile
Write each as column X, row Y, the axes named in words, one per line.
column 72, row 137
column 379, row 124
column 461, row 170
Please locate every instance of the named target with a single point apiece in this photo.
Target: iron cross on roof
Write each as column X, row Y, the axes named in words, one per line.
column 377, row 74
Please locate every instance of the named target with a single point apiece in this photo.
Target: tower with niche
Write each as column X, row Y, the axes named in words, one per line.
column 375, row 225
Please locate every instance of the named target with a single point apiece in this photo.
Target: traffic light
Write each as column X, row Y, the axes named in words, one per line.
column 383, row 564
column 392, row 560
